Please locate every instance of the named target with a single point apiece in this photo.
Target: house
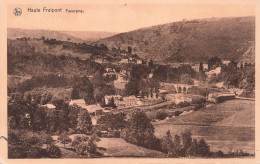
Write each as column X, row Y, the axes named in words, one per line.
column 94, row 109
column 150, row 75
column 196, row 67
column 139, row 61
column 117, row 99
column 110, row 70
column 124, row 61
column 130, row 101
column 226, row 62
column 79, row 102
column 217, row 97
column 205, row 67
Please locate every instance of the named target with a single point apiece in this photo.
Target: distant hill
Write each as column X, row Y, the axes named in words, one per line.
column 192, row 40
column 89, row 35
column 74, row 36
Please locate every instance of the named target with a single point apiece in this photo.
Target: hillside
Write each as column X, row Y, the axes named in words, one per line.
column 75, row 36
column 89, row 36
column 193, row 40
column 29, row 57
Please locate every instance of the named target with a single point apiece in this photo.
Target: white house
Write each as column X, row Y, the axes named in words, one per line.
column 139, row 61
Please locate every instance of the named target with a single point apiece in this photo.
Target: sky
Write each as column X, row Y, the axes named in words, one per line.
column 120, row 17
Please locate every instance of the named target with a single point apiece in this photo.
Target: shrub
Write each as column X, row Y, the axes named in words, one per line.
column 161, row 115
column 48, row 140
column 198, row 106
column 183, row 104
column 198, row 101
column 177, row 113
column 33, row 152
column 17, row 152
column 82, row 148
column 64, row 138
column 53, row 151
column 33, row 140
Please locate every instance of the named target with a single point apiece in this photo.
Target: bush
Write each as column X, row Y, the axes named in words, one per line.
column 53, row 151
column 177, row 113
column 33, row 152
column 17, row 152
column 64, row 138
column 198, row 106
column 198, row 100
column 161, row 115
column 33, row 140
column 183, row 104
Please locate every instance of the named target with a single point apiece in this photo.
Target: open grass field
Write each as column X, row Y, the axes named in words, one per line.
column 226, row 126
column 117, row 147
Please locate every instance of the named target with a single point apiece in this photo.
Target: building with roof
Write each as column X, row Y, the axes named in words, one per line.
column 94, row 109
column 117, row 99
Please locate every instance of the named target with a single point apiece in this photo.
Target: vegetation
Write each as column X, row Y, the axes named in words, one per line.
column 189, row 41
column 140, row 131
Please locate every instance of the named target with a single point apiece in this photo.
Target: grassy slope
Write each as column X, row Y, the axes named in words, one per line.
column 117, row 147
column 194, row 40
column 225, row 126
column 213, row 114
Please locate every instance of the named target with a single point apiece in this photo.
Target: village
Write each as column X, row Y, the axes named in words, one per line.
column 168, row 92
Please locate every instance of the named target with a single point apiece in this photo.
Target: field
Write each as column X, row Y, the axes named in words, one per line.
column 117, row 147
column 226, row 126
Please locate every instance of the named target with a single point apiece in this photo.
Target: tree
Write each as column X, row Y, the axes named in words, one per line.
column 139, row 131
column 64, row 138
column 167, row 143
column 84, row 122
column 177, row 147
column 214, row 62
column 53, row 151
column 186, row 79
column 130, row 49
column 111, row 103
column 113, row 121
column 186, row 140
column 131, row 87
column 49, row 141
column 203, row 148
column 75, row 94
column 201, row 67
column 161, row 115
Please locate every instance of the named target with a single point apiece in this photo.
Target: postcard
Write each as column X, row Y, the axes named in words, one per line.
column 129, row 81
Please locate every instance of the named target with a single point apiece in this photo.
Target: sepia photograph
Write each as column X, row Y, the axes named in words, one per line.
column 131, row 80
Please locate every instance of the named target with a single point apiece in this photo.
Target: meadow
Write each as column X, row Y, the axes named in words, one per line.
column 226, row 126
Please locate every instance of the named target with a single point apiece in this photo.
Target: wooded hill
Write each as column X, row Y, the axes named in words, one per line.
column 189, row 40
